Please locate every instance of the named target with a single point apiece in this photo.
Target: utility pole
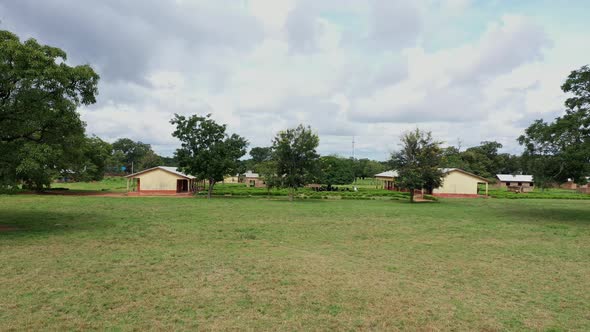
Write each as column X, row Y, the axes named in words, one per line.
column 353, row 161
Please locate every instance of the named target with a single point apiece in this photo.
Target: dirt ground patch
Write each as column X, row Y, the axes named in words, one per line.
column 7, row 228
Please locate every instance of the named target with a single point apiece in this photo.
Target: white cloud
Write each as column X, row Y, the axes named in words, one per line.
column 344, row 67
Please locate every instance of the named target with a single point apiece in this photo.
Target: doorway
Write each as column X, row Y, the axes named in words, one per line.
column 181, row 186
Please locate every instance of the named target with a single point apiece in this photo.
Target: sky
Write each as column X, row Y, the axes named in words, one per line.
column 467, row 70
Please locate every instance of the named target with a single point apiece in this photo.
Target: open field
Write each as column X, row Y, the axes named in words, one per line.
column 108, row 184
column 165, row 263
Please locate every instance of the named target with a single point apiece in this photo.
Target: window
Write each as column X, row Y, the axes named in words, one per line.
column 507, row 184
column 520, row 183
column 532, row 184
column 252, row 183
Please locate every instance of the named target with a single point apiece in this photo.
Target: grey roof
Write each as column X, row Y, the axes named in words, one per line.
column 249, row 174
column 387, row 174
column 514, row 178
column 176, row 171
column 169, row 169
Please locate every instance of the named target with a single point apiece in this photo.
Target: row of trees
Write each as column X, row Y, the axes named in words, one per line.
column 43, row 137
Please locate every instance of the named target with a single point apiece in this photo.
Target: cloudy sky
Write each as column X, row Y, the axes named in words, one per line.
column 466, row 70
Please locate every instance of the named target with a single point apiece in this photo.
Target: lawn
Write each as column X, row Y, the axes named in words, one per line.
column 108, row 184
column 73, row 263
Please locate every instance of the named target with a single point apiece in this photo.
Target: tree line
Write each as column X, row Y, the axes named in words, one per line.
column 42, row 137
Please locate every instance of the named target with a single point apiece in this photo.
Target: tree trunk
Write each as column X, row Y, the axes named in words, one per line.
column 210, row 191
column 412, row 195
column 291, row 195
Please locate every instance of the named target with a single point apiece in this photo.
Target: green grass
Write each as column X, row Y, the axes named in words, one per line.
column 538, row 193
column 77, row 263
column 109, row 184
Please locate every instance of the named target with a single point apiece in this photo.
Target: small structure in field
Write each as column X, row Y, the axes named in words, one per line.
column 460, row 183
column 161, row 180
column 570, row 184
column 253, row 180
column 231, row 179
column 456, row 183
column 516, row 183
column 388, row 179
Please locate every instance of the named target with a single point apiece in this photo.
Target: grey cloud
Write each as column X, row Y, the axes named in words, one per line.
column 395, row 24
column 125, row 39
column 439, row 105
column 363, row 79
column 502, row 50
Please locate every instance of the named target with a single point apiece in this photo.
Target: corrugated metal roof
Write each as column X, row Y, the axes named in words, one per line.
column 514, row 178
column 249, row 174
column 176, row 171
column 387, row 174
column 169, row 169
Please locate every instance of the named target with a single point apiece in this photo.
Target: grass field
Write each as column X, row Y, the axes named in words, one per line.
column 72, row 263
column 108, row 184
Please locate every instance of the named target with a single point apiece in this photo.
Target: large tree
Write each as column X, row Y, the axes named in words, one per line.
column 296, row 157
column 207, row 151
column 560, row 150
column 132, row 153
column 92, row 160
column 261, row 154
column 418, row 162
column 336, row 171
column 39, row 125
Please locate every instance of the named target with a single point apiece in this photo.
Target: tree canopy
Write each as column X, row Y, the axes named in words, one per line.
column 560, row 150
column 207, row 151
column 40, row 129
column 336, row 170
column 418, row 162
column 297, row 162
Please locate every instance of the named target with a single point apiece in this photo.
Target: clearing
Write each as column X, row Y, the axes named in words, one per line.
column 160, row 263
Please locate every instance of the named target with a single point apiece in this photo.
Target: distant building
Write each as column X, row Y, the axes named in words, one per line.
column 456, row 183
column 460, row 183
column 253, row 180
column 161, row 180
column 570, row 184
column 388, row 178
column 517, row 183
column 231, row 179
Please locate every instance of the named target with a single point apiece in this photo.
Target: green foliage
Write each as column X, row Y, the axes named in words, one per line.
column 336, row 170
column 549, row 193
column 132, row 154
column 483, row 160
column 40, row 129
column 560, row 150
column 207, row 152
column 366, row 168
column 261, row 154
column 296, row 157
column 91, row 162
column 418, row 162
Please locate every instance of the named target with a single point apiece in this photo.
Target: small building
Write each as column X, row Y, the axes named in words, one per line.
column 161, row 180
column 570, row 184
column 516, row 183
column 253, row 180
column 460, row 183
column 388, row 179
column 231, row 179
column 456, row 183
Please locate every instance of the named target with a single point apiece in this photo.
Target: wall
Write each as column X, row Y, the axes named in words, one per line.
column 158, row 180
column 458, row 183
column 258, row 182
